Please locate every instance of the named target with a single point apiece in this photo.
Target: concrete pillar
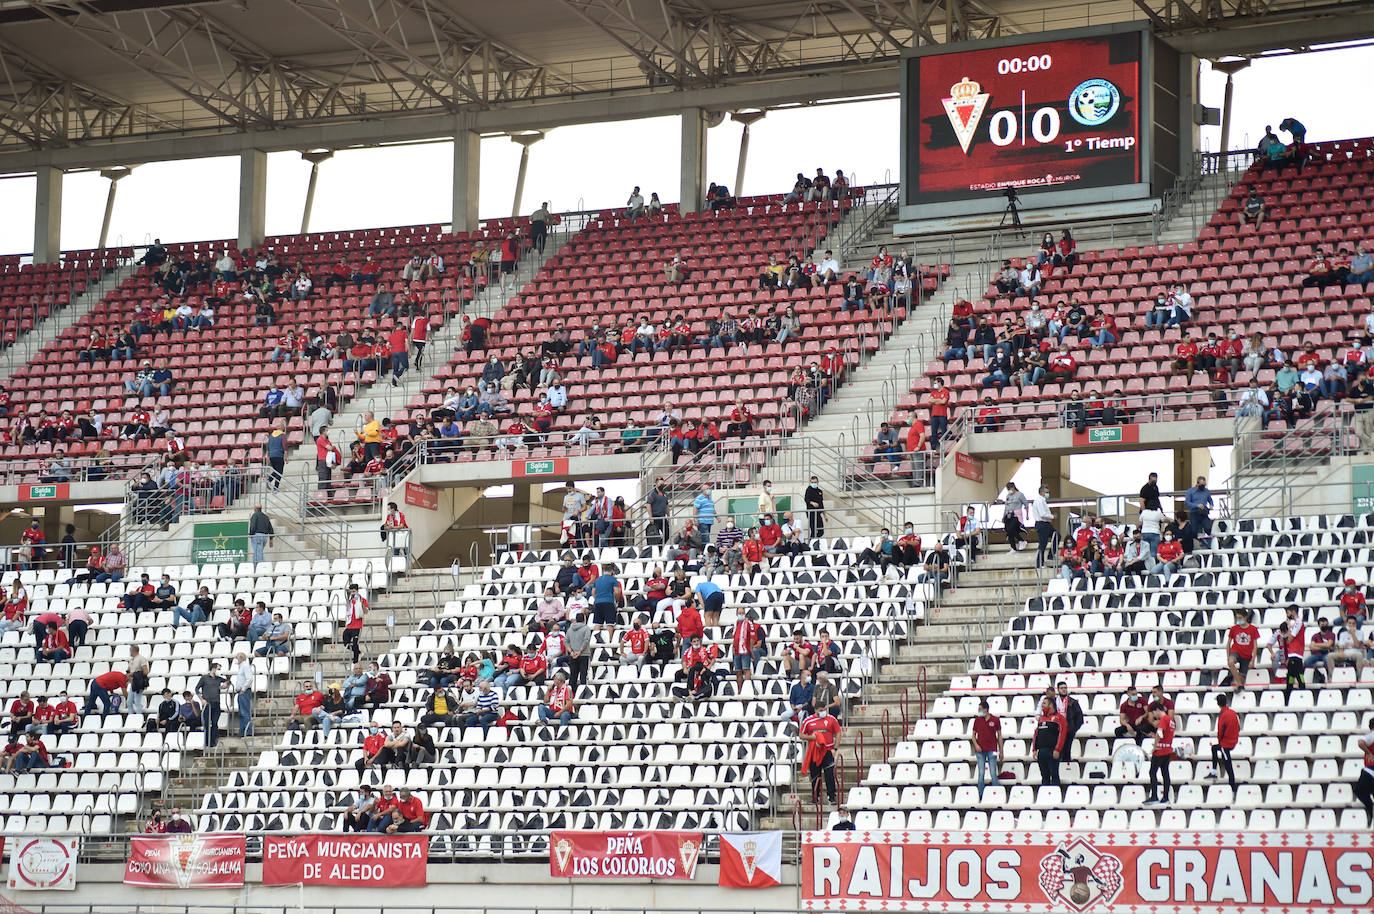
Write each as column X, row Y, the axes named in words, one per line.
column 467, row 168
column 314, row 157
column 47, row 216
column 693, row 187
column 252, row 198
column 747, row 118
column 1230, row 68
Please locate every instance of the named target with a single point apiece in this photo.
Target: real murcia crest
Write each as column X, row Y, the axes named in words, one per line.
column 562, row 849
column 965, row 109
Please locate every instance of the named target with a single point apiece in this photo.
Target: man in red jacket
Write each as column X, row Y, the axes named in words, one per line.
column 1051, row 729
column 821, row 733
column 1161, row 756
column 1228, row 734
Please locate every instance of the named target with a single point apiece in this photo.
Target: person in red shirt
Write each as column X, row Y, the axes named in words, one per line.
column 559, row 703
column 102, row 688
column 1051, row 730
column 937, row 403
column 1353, row 602
column 689, row 626
column 1134, row 716
column 752, row 549
column 1228, row 734
column 56, row 647
column 33, row 754
column 987, row 744
column 408, row 815
column 1170, row 554
column 634, row 644
column 1062, row 364
column 821, row 733
column 419, row 334
column 357, row 607
column 741, row 421
column 742, row 643
column 65, row 718
column 398, row 345
column 383, row 808
column 307, row 702
column 1241, row 640
column 1162, row 754
column 43, row 716
column 989, row 416
column 21, row 715
column 1185, row 357
column 917, row 439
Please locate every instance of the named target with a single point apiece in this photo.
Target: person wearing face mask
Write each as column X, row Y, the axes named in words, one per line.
column 1169, row 555
column 729, row 536
column 987, row 742
column 907, row 549
column 881, row 553
column 1012, row 505
column 164, row 595
column 767, row 504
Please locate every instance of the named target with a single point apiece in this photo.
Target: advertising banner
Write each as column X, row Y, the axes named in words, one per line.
column 219, row 543
column 189, row 861
column 43, row 863
column 1122, row 873
column 382, row 861
column 624, row 854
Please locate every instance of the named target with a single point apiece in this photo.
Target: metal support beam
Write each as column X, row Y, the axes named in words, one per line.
column 252, row 198
column 693, row 179
column 314, row 157
column 526, row 140
column 1230, row 68
column 467, row 168
column 47, row 216
column 747, row 118
column 114, row 176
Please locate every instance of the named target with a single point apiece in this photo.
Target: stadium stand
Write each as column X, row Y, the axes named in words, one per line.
column 31, row 291
column 1242, row 278
column 1297, row 754
column 636, row 757
column 233, row 429
column 614, row 271
column 107, row 770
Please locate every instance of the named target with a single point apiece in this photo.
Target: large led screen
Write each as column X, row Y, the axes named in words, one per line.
column 1043, row 116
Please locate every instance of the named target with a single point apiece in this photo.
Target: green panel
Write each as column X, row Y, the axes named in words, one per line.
column 1362, row 489
column 213, row 544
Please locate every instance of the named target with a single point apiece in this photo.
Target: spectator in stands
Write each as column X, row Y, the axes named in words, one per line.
column 1252, row 210
column 559, row 702
column 799, row 698
column 277, row 638
column 1350, row 648
column 1051, row 730
column 103, row 688
column 1352, row 601
column 987, row 745
column 1133, row 718
column 1228, row 735
column 1072, row 711
column 821, row 734
column 606, row 595
column 1198, row 500
column 1364, row 784
column 886, row 444
column 1241, row 641
column 1161, row 755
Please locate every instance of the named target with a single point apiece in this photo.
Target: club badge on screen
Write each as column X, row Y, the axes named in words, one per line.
column 965, row 106
column 1094, row 102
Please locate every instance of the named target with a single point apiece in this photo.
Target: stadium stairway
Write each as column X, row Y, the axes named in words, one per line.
column 45, row 332
column 408, row 596
column 955, row 631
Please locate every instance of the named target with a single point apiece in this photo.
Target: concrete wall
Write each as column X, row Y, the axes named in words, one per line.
column 509, row 886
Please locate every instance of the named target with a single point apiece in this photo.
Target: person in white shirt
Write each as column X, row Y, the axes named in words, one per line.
column 293, row 396
column 300, row 289
column 1152, row 522
column 226, row 268
column 558, row 396
column 829, row 270
column 243, row 690
column 1043, row 518
column 1311, row 378
column 643, row 338
column 634, row 207
column 1350, row 647
column 1253, row 401
column 1029, row 279
column 1183, row 306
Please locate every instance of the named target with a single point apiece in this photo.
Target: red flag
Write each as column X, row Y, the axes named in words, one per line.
column 752, row 860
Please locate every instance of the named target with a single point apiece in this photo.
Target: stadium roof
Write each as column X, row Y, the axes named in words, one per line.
column 95, row 72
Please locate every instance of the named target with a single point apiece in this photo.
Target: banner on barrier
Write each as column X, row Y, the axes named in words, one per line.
column 42, row 863
column 752, row 860
column 1122, row 873
column 372, row 860
column 189, row 861
column 624, row 854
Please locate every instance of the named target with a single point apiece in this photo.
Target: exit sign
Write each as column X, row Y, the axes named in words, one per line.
column 1110, row 434
column 557, row 466
column 1104, row 435
column 45, row 492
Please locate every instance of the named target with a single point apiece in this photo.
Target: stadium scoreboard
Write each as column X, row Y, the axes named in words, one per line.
column 1061, row 118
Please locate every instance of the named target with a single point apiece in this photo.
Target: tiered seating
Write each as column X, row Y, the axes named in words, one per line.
column 635, row 758
column 223, row 373
column 114, row 761
column 1296, row 758
column 613, row 272
column 29, row 291
column 1240, row 277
